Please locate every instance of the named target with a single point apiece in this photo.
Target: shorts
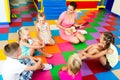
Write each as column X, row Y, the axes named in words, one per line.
column 107, row 66
column 26, row 75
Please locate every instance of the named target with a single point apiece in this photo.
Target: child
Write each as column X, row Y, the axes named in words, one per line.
column 28, row 45
column 72, row 70
column 12, row 69
column 107, row 55
column 43, row 30
column 92, row 49
column 97, row 48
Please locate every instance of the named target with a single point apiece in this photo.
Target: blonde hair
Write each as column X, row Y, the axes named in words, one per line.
column 20, row 32
column 40, row 14
column 11, row 48
column 74, row 63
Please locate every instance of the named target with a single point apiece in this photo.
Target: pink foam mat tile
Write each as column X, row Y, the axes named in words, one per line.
column 42, row 75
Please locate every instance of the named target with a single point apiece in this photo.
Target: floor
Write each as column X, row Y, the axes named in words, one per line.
column 100, row 21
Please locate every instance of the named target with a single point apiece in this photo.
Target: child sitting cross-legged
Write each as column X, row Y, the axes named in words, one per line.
column 13, row 69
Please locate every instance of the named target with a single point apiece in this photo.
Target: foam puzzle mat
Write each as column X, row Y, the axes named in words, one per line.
column 100, row 21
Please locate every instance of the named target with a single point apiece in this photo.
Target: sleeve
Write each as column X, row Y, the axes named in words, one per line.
column 62, row 15
column 19, row 68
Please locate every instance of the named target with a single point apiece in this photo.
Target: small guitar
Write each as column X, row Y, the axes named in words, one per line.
column 74, row 28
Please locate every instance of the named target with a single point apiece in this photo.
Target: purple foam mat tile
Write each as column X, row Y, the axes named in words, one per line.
column 89, row 42
column 4, row 26
column 104, row 24
column 85, row 69
column 96, row 35
column 101, row 29
column 16, row 20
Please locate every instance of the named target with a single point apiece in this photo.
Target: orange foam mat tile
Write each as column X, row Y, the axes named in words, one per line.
column 58, row 39
column 52, row 49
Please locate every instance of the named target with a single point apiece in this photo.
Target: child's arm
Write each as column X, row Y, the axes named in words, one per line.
column 48, row 29
column 102, row 53
column 36, row 66
column 38, row 32
column 30, row 46
column 64, row 68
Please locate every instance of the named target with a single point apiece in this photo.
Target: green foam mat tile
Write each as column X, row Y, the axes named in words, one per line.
column 88, row 37
column 54, row 71
column 80, row 46
column 66, row 55
column 18, row 15
column 25, row 12
column 91, row 29
column 98, row 20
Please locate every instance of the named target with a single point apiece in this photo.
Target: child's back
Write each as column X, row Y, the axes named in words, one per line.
column 72, row 70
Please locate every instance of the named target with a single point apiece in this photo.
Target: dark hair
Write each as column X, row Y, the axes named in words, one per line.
column 109, row 38
column 73, row 4
column 11, row 48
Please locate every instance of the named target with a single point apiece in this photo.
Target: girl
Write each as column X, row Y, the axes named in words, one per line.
column 108, row 56
column 66, row 20
column 43, row 30
column 72, row 70
column 28, row 45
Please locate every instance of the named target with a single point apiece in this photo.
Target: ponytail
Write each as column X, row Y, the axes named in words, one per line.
column 109, row 38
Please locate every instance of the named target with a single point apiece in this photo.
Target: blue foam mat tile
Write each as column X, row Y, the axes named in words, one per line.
column 13, row 29
column 52, row 10
column 54, row 3
column 118, row 49
column 27, row 23
column 1, row 77
column 106, row 76
column 55, row 32
column 116, row 33
column 117, row 27
column 34, row 19
column 4, row 36
column 117, row 41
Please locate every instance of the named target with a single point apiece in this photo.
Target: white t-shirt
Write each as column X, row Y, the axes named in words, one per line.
column 11, row 69
column 112, row 57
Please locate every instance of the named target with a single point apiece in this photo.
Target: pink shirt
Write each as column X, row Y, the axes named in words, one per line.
column 65, row 76
column 65, row 22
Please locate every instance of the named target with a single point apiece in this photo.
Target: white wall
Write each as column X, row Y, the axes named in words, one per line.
column 4, row 11
column 116, row 7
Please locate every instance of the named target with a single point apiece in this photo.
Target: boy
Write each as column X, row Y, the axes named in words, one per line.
column 12, row 69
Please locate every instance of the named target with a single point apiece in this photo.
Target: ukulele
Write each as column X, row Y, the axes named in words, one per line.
column 74, row 28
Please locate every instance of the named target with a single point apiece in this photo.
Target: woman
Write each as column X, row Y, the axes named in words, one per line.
column 66, row 21
column 109, row 55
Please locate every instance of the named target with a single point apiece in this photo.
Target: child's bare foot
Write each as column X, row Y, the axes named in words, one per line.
column 47, row 55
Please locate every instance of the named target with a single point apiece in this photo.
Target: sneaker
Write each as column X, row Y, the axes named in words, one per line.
column 82, row 31
column 47, row 67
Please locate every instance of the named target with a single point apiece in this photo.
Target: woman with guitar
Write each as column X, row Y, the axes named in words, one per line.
column 66, row 21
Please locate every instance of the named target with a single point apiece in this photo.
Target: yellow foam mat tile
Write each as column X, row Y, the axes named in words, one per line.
column 33, row 34
column 2, row 55
column 51, row 22
column 10, row 41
